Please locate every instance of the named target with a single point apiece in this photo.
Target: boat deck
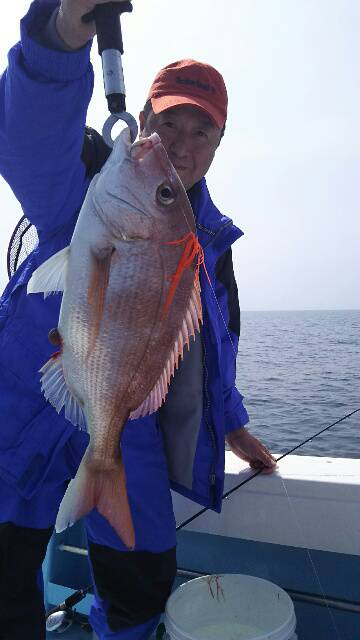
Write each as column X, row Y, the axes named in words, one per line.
column 73, row 633
column 313, row 623
column 304, row 539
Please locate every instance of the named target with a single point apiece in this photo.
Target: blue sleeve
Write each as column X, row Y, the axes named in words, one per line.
column 44, row 96
column 227, row 297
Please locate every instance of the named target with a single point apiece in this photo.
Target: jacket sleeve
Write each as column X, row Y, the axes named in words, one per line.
column 44, row 96
column 229, row 323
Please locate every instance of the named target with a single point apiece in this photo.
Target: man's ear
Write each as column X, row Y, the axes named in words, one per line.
column 142, row 121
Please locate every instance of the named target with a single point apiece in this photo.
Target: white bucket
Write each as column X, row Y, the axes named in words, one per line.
column 230, row 607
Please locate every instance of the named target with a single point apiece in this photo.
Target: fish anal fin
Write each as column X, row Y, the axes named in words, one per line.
column 154, row 400
column 50, row 277
column 56, row 391
column 190, row 326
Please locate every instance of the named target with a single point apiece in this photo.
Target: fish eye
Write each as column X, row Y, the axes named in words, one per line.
column 165, row 194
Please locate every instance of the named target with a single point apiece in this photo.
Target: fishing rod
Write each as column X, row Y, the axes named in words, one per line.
column 59, row 616
column 228, row 493
column 110, row 47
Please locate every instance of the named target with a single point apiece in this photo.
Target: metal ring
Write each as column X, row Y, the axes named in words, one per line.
column 111, row 121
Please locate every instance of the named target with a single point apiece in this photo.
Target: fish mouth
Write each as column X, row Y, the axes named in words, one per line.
column 141, row 147
column 152, row 143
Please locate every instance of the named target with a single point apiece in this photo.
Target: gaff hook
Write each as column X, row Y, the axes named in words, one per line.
column 110, row 46
column 111, row 121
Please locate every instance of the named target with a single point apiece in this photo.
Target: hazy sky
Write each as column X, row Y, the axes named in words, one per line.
column 287, row 171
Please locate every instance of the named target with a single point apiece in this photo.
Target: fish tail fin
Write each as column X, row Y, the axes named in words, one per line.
column 112, row 502
column 104, row 489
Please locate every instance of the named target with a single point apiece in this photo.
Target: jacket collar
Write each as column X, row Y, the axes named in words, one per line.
column 209, row 221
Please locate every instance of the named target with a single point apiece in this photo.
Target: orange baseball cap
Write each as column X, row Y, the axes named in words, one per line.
column 190, row 82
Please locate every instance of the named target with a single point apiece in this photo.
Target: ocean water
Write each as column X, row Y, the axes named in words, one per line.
column 299, row 371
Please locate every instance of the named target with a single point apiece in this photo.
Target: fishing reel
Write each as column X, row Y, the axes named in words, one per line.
column 59, row 621
column 61, row 617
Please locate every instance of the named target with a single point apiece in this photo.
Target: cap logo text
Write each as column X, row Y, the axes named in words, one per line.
column 195, row 83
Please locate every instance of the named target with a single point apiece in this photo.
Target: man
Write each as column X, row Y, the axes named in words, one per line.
column 45, row 93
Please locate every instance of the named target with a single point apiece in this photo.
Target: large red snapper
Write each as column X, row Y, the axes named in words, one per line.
column 131, row 301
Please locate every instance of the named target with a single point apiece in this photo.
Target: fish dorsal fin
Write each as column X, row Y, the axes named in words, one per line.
column 56, row 391
column 50, row 277
column 190, row 325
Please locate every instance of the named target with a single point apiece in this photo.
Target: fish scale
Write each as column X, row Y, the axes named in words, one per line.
column 125, row 310
column 131, row 300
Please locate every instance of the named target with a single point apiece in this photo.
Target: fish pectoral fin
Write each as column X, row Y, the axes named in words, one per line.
column 56, row 391
column 190, row 325
column 50, row 277
column 104, row 489
column 98, row 284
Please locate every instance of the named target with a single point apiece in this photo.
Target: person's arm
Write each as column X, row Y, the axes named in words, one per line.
column 44, row 96
column 241, row 442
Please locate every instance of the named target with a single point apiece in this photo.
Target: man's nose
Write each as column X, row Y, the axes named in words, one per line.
column 180, row 144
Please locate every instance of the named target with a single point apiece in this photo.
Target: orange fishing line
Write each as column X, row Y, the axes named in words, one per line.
column 192, row 248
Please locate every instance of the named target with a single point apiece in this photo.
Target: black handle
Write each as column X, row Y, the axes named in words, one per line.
column 109, row 37
column 108, row 27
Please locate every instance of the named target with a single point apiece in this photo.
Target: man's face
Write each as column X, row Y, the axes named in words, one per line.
column 189, row 137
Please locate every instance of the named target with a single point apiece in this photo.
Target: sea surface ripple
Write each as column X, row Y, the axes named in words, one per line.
column 299, row 371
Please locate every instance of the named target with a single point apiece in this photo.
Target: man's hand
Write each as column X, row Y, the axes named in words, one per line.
column 69, row 24
column 250, row 449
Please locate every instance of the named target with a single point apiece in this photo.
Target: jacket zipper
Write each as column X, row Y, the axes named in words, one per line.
column 210, row 428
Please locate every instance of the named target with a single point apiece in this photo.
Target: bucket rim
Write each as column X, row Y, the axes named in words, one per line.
column 288, row 627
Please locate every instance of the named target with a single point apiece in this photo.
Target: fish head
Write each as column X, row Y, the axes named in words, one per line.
column 139, row 194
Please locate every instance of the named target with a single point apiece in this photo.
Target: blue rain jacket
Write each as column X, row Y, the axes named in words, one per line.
column 44, row 95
